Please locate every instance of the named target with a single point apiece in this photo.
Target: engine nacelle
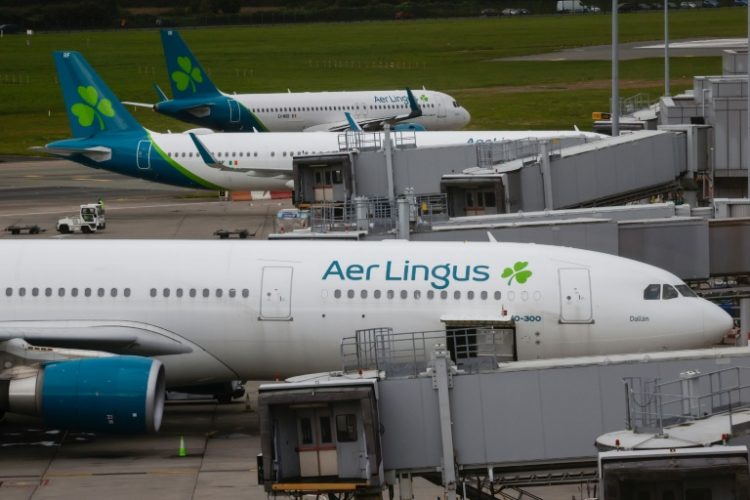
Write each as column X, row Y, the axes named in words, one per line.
column 409, row 127
column 118, row 394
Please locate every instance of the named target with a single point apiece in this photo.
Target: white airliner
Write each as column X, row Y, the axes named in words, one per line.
column 140, row 313
column 107, row 136
column 197, row 100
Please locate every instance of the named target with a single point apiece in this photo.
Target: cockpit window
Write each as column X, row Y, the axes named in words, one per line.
column 668, row 292
column 685, row 291
column 652, row 292
column 455, row 104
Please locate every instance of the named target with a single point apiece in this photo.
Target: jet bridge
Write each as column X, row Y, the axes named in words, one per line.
column 459, row 412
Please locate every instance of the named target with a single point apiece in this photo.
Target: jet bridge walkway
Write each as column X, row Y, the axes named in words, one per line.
column 454, row 407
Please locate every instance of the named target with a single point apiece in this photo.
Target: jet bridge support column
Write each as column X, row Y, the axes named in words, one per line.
column 442, row 381
column 744, row 322
column 546, row 175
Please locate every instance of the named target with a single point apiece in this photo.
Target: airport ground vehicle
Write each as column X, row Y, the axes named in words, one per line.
column 90, row 219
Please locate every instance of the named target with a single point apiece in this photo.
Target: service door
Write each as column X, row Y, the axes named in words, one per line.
column 317, row 449
column 276, row 293
column 575, row 296
column 234, row 111
column 350, row 445
column 143, row 156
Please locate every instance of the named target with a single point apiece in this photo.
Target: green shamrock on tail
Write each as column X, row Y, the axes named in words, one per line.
column 517, row 272
column 188, row 75
column 91, row 107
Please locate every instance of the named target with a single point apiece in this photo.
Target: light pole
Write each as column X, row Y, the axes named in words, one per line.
column 747, row 129
column 615, row 106
column 666, row 48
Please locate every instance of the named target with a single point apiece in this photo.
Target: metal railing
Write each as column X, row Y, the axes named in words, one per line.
column 652, row 406
column 493, row 153
column 637, row 102
column 408, row 354
column 368, row 141
column 376, row 215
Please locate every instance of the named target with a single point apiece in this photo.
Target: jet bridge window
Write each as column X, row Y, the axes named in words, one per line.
column 346, row 428
column 668, row 292
column 685, row 291
column 652, row 292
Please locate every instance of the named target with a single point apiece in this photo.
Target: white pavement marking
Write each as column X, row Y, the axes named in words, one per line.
column 136, row 207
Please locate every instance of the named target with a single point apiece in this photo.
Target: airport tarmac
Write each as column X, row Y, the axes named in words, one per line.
column 641, row 50
column 42, row 191
column 221, row 440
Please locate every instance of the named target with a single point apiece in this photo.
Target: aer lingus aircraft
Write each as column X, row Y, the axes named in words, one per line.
column 197, row 100
column 93, row 346
column 107, row 136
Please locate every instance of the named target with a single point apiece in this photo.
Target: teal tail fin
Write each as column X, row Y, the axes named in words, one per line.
column 92, row 107
column 186, row 75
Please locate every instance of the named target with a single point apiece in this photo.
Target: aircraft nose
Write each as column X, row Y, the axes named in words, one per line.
column 716, row 322
column 465, row 116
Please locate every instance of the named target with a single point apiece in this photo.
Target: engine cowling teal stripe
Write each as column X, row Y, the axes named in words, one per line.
column 184, row 171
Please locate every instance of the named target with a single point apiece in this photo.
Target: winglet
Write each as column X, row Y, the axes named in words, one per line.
column 353, row 125
column 160, row 93
column 206, row 155
column 415, row 109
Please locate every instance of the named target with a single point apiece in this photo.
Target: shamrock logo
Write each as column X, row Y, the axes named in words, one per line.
column 518, row 271
column 424, row 98
column 91, row 107
column 188, row 76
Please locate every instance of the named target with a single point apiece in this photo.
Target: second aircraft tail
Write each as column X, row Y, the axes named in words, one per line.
column 186, row 75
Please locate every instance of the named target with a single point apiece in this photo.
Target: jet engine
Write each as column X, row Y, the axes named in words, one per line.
column 118, row 394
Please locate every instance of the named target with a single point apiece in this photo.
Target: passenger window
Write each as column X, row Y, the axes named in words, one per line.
column 126, row 292
column 47, row 292
column 178, row 292
column 685, row 291
column 652, row 292
column 404, row 294
column 376, row 294
column 113, row 292
column 391, row 294
column 346, row 428
column 430, row 294
column 668, row 292
column 350, row 294
column 443, row 294
column 87, row 292
column 337, row 293
column 245, row 292
column 61, row 292
column 206, row 292
column 152, row 292
column 417, row 294
column 34, row 291
column 8, row 291
column 498, row 295
column 166, row 292
column 483, row 295
column 100, row 292
column 470, row 295
column 232, row 292
column 457, row 295
column 73, row 292
column 219, row 292
column 363, row 294
column 22, row 291
column 193, row 292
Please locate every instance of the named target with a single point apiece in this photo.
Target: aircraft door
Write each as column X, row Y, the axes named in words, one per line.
column 234, row 111
column 143, row 155
column 317, row 449
column 361, row 111
column 575, row 296
column 276, row 293
column 441, row 112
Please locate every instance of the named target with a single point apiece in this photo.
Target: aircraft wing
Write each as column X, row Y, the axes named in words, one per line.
column 115, row 337
column 96, row 153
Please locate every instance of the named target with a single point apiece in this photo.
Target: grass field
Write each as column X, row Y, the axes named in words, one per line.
column 458, row 56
